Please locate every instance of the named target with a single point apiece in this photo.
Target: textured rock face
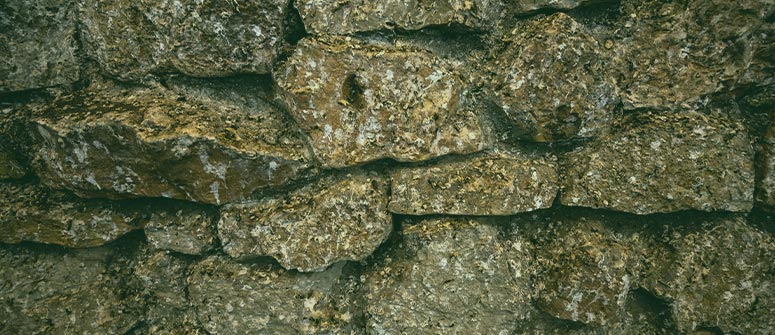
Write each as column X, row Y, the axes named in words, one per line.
column 336, row 17
column 185, row 229
column 766, row 171
column 38, row 46
column 230, row 298
column 61, row 292
column 542, row 107
column 121, row 143
column 34, row 213
column 313, row 227
column 10, row 168
column 130, row 39
column 674, row 161
column 677, row 52
column 360, row 102
column 450, row 276
column 492, row 184
column 717, row 274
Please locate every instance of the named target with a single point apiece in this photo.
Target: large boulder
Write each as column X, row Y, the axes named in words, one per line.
column 490, row 184
column 131, row 39
column 361, row 102
column 38, row 44
column 664, row 162
column 142, row 142
column 308, row 229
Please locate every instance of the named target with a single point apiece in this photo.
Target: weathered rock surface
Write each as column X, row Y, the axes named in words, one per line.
column 10, row 167
column 490, row 184
column 450, row 276
column 58, row 291
column 337, row 17
column 664, row 162
column 334, row 219
column 185, row 229
column 543, row 107
column 230, row 298
column 130, row 39
column 717, row 274
column 38, row 46
column 34, row 213
column 118, row 143
column 765, row 179
column 361, row 102
column 675, row 53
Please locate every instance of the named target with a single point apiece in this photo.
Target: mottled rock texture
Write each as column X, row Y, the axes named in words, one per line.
column 765, row 165
column 131, row 39
column 119, row 143
column 491, row 184
column 541, row 106
column 181, row 228
column 10, row 167
column 664, row 162
column 333, row 219
column 231, row 298
column 38, row 44
column 448, row 276
column 361, row 102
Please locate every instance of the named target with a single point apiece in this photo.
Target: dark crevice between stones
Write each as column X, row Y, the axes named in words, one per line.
column 294, row 32
column 653, row 309
column 599, row 11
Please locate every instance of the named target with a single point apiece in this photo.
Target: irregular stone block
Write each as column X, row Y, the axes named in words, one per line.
column 337, row 17
column 313, row 227
column 34, row 213
column 765, row 179
column 119, row 143
column 62, row 291
column 449, row 276
column 664, row 162
column 492, row 184
column 38, row 46
column 130, row 39
column 543, row 107
column 185, row 229
column 231, row 298
column 361, row 102
column 675, row 53
column 717, row 274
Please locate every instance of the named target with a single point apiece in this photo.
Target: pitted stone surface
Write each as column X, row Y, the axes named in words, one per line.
column 543, row 107
column 490, row 184
column 449, row 276
column 131, row 39
column 118, row 143
column 182, row 228
column 38, row 44
column 334, row 219
column 232, row 298
column 664, row 162
column 361, row 102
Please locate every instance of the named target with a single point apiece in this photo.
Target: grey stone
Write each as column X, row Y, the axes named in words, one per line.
column 664, row 162
column 38, row 45
column 490, row 184
column 185, row 229
column 360, row 102
column 131, row 39
column 765, row 165
column 554, row 82
column 141, row 142
column 308, row 229
column 449, row 276
column 718, row 273
column 231, row 298
column 62, row 291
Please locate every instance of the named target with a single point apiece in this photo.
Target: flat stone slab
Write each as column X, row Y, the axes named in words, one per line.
column 232, row 298
column 490, row 184
column 38, row 44
column 362, row 102
column 131, row 39
column 449, row 276
column 308, row 229
column 122, row 143
column 581, row 103
column 664, row 162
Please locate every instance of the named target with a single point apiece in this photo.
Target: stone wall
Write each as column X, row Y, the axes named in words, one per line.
column 387, row 167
